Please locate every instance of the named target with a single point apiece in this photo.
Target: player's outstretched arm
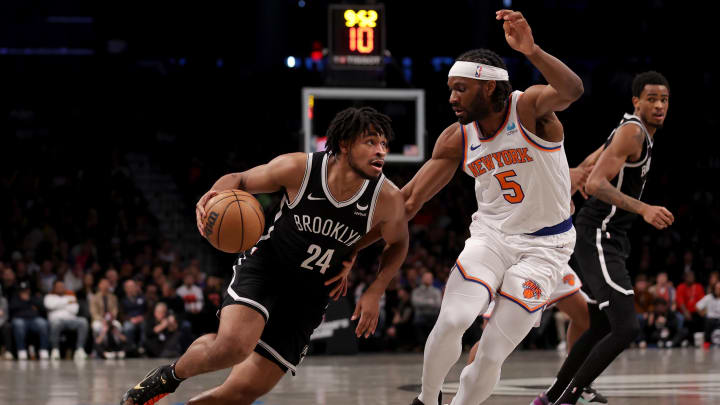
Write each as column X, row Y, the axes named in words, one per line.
column 564, row 86
column 431, row 178
column 285, row 171
column 394, row 230
column 436, row 172
column 627, row 142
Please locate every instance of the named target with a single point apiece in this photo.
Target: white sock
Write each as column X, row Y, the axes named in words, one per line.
column 463, row 302
column 507, row 328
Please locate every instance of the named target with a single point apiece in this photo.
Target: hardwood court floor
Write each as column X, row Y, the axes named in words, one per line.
column 639, row 377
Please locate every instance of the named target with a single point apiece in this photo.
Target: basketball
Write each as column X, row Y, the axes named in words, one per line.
column 233, row 221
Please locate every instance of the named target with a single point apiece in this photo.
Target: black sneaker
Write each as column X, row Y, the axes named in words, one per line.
column 591, row 396
column 417, row 401
column 156, row 384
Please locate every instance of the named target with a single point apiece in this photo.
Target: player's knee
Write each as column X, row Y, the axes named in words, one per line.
column 626, row 330
column 455, row 320
column 227, row 351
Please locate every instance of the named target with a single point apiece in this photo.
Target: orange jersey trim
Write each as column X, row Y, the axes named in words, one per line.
column 467, row 277
column 522, row 304
column 564, row 296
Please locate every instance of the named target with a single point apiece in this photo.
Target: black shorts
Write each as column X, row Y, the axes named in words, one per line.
column 600, row 258
column 292, row 302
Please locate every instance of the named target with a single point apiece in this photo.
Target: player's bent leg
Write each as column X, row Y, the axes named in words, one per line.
column 508, row 326
column 240, row 329
column 599, row 328
column 624, row 328
column 247, row 381
column 576, row 308
column 462, row 303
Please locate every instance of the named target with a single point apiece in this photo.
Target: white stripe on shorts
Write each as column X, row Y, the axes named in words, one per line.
column 248, row 301
column 606, row 275
column 277, row 356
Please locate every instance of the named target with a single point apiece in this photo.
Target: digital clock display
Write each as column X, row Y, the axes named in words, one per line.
column 357, row 35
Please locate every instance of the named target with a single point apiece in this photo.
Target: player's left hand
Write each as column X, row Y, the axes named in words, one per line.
column 517, row 31
column 368, row 309
column 340, row 290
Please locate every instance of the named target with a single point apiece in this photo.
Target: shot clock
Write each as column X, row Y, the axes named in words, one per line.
column 356, row 36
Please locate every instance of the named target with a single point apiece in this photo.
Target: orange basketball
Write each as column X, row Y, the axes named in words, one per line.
column 233, row 221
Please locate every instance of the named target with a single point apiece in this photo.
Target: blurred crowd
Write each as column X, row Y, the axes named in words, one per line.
column 85, row 270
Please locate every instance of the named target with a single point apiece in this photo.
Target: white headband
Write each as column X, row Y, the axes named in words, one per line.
column 478, row 71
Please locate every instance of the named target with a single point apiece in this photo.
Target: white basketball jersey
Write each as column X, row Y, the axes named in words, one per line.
column 522, row 182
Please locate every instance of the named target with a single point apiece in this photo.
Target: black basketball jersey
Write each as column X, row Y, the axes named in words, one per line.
column 630, row 181
column 314, row 232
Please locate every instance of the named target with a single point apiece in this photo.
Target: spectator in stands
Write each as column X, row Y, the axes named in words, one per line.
column 175, row 304
column 107, row 330
column 709, row 308
column 688, row 294
column 5, row 330
column 713, row 278
column 8, row 284
column 664, row 289
column 426, row 301
column 401, row 333
column 26, row 313
column 162, row 333
column 643, row 298
column 74, row 279
column 191, row 294
column 151, row 296
column 661, row 327
column 62, row 307
column 158, row 275
column 133, row 310
column 112, row 277
column 47, row 277
column 87, row 290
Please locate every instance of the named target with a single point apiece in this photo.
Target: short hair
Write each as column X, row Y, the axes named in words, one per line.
column 502, row 87
column 645, row 78
column 349, row 123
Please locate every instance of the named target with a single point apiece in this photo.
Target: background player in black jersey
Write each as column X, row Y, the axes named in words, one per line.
column 278, row 294
column 615, row 183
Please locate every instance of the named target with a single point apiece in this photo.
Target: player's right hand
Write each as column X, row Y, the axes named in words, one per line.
column 341, row 288
column 658, row 216
column 200, row 209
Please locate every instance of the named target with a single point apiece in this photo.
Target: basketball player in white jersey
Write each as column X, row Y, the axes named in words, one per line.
column 522, row 234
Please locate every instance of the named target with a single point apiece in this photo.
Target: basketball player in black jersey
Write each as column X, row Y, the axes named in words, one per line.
column 278, row 293
column 615, row 184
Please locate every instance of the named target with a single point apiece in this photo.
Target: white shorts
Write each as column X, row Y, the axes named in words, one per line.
column 522, row 268
column 568, row 285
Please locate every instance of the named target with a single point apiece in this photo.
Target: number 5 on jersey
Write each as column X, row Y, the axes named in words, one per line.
column 517, row 194
column 323, row 262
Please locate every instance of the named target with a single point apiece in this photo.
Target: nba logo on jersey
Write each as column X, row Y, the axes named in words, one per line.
column 531, row 289
column 511, row 128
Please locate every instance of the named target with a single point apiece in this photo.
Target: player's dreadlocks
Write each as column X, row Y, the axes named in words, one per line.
column 645, row 78
column 352, row 122
column 488, row 57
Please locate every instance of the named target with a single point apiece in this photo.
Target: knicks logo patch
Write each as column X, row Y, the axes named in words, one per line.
column 531, row 289
column 569, row 279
